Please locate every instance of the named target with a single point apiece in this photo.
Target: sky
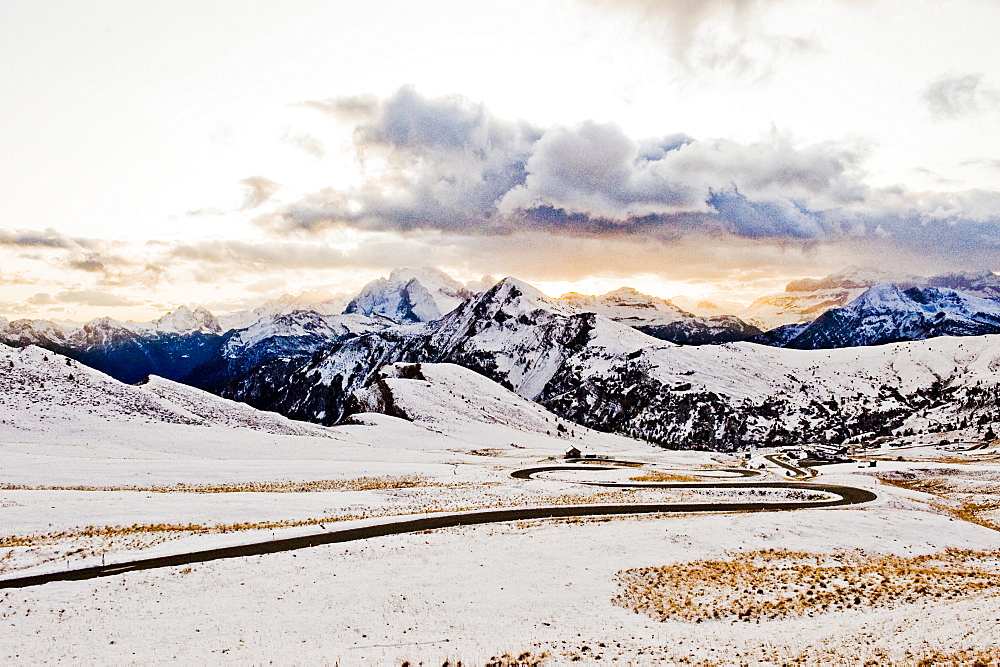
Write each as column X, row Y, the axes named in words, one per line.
column 221, row 153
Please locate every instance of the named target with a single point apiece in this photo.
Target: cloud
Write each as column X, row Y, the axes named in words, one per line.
column 988, row 163
column 306, row 143
column 257, row 190
column 729, row 36
column 42, row 299
column 448, row 166
column 49, row 238
column 95, row 298
column 597, row 171
column 91, row 263
column 956, row 95
column 440, row 162
column 266, row 285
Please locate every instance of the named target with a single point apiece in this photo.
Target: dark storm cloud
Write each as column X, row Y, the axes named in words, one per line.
column 956, row 95
column 447, row 165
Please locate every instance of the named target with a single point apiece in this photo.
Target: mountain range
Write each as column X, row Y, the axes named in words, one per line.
column 195, row 347
column 605, row 362
column 599, row 373
column 592, row 371
column 887, row 314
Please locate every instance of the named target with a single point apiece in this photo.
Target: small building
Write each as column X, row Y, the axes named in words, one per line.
column 572, row 453
column 826, row 452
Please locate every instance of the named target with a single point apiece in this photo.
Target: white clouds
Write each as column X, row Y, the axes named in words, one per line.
column 734, row 37
column 258, row 190
column 599, row 172
column 449, row 165
column 648, row 131
column 956, row 95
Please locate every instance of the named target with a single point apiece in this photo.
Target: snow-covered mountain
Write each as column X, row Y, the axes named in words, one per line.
column 704, row 307
column 806, row 299
column 599, row 373
column 983, row 284
column 628, row 306
column 185, row 321
column 172, row 346
column 661, row 318
column 290, row 336
column 887, row 314
column 455, row 399
column 410, row 295
column 320, row 302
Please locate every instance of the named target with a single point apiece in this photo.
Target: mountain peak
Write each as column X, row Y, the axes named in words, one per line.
column 410, row 295
column 185, row 320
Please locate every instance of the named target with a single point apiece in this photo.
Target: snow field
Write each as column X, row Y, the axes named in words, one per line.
column 544, row 587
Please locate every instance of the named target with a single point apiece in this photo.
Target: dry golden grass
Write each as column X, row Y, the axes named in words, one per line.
column 355, row 484
column 959, row 500
column 772, row 584
column 418, row 506
column 657, row 476
column 523, row 659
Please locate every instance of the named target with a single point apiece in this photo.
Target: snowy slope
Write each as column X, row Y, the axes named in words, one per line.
column 43, row 391
column 449, row 398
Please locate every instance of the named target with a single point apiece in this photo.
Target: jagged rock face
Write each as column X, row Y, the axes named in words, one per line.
column 296, row 335
column 43, row 333
column 319, row 302
column 886, row 314
column 511, row 335
column 780, row 336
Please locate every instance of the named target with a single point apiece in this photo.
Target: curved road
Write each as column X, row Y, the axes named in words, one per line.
column 846, row 496
column 796, row 470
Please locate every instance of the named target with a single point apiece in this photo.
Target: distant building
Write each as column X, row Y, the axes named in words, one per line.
column 572, row 453
column 820, row 451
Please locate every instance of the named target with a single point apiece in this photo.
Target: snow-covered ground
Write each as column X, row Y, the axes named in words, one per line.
column 91, row 469
column 476, row 592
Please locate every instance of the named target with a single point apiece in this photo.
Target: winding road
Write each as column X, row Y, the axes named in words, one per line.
column 846, row 495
